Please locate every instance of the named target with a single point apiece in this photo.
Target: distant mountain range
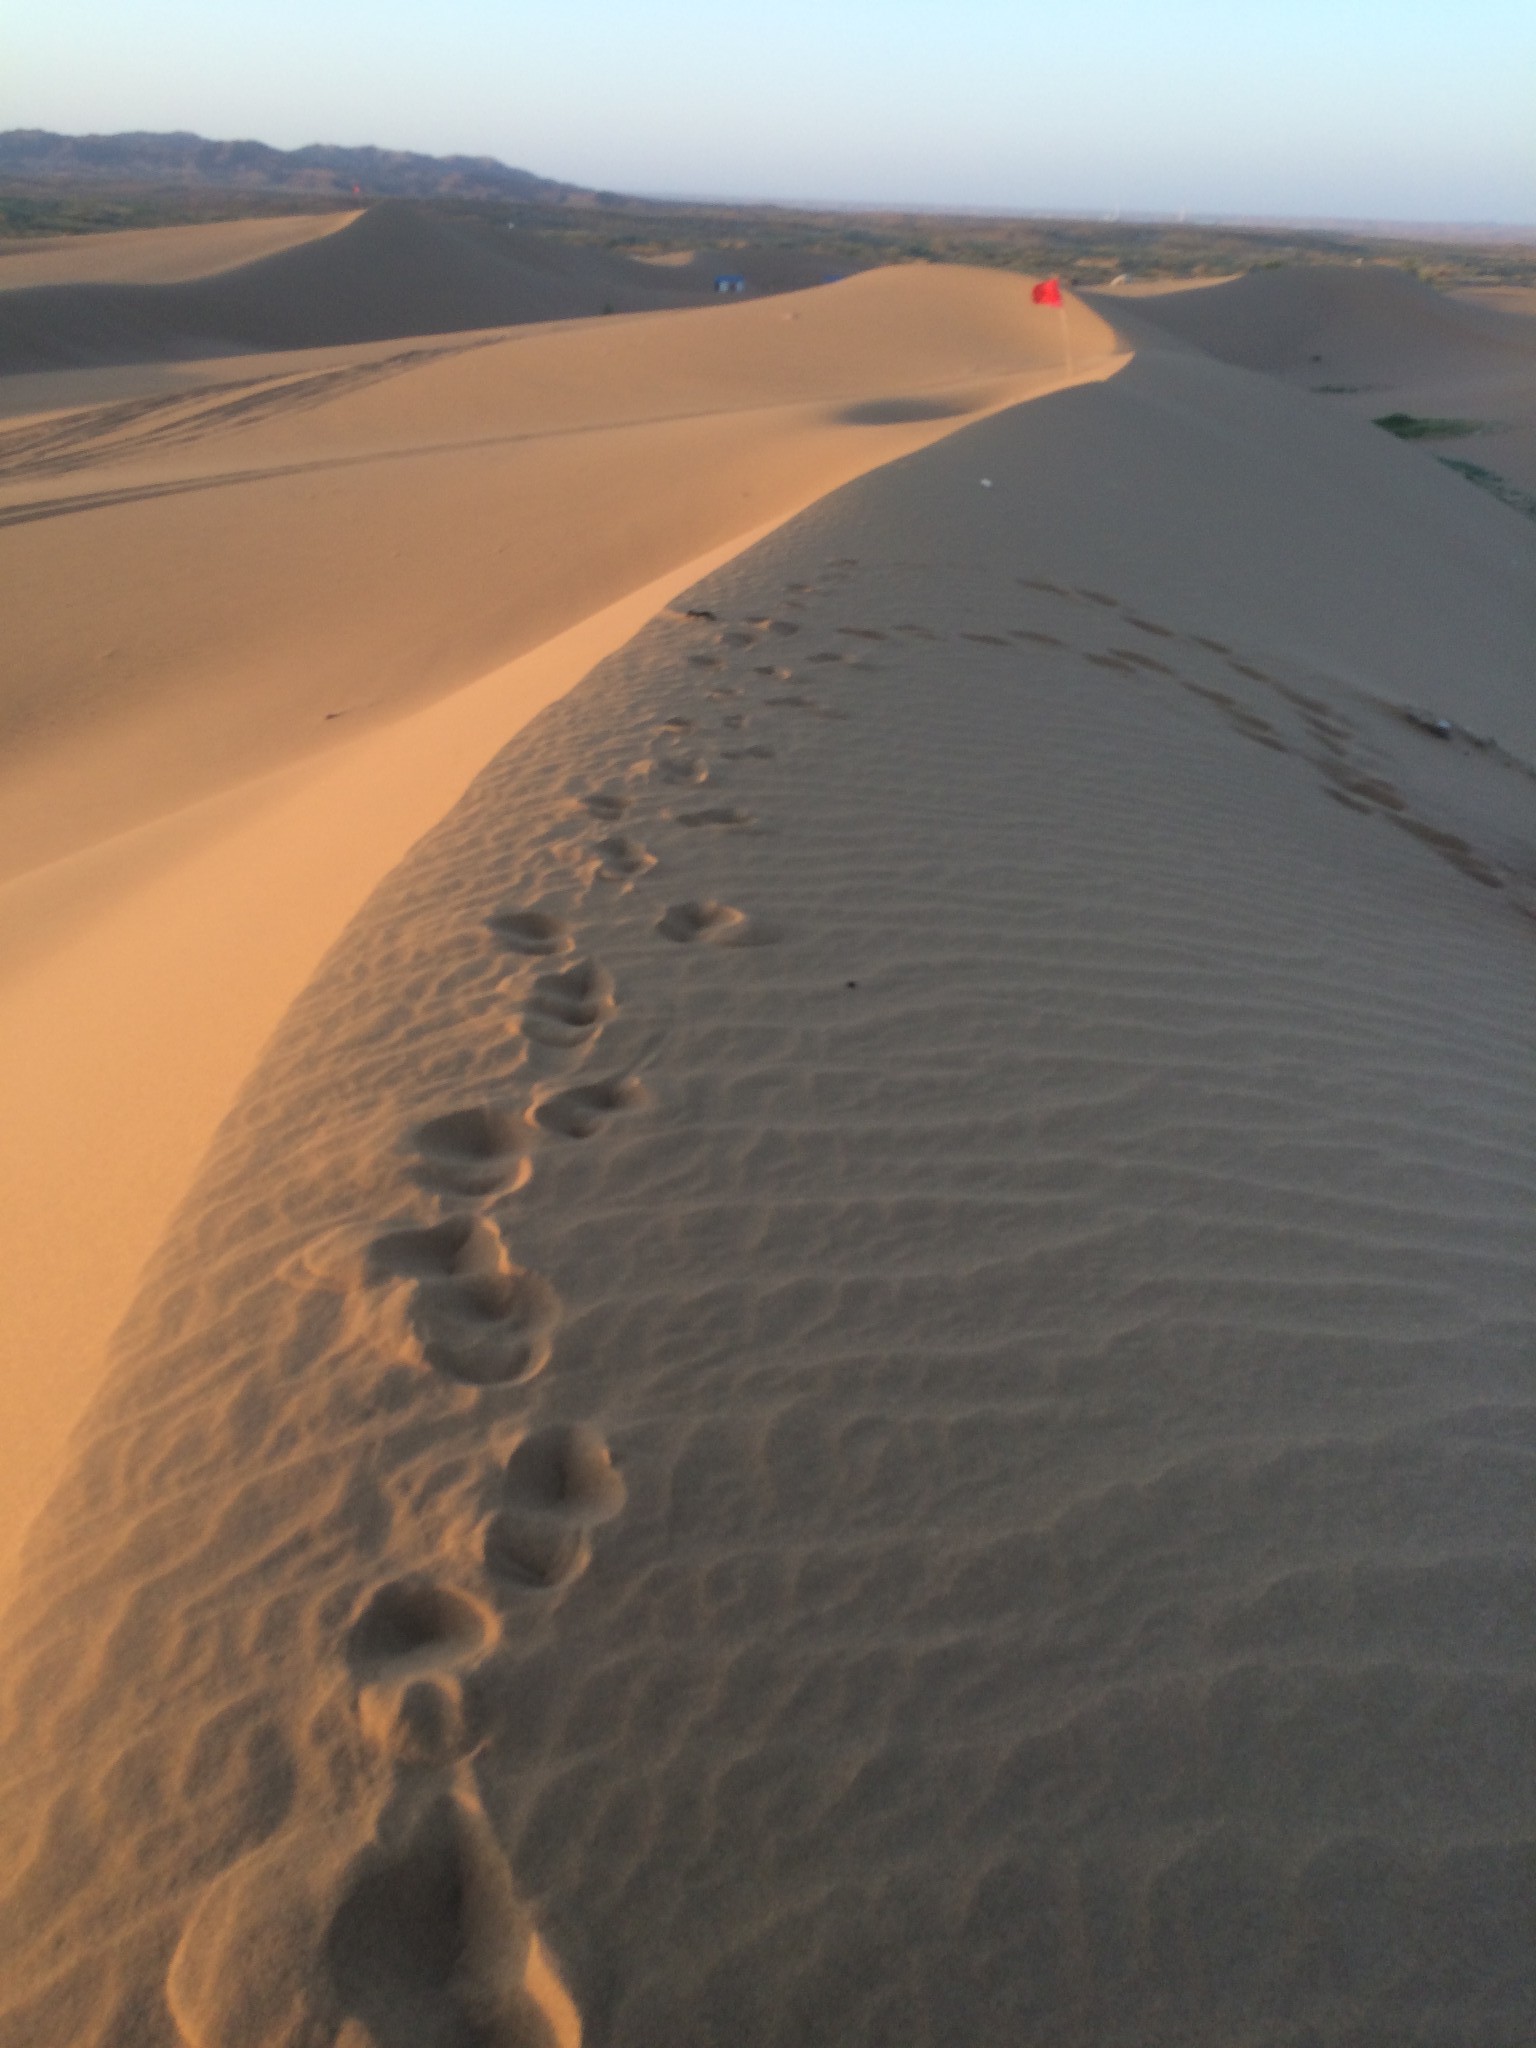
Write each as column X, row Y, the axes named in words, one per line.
column 38, row 159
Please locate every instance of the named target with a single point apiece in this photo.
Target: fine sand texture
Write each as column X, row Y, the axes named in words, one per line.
column 263, row 627
column 858, row 1373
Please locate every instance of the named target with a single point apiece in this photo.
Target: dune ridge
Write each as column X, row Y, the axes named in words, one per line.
column 859, row 1368
column 158, row 255
column 320, row 595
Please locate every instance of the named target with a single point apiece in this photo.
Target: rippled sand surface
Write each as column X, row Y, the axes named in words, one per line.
column 859, row 1372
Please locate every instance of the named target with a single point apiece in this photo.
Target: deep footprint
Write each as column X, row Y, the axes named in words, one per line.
column 621, row 859
column 566, row 1470
column 479, row 1151
column 475, row 1315
column 430, row 1946
column 719, row 924
column 560, row 1485
column 565, row 1009
column 580, row 1112
column 416, row 1624
column 529, row 931
column 607, row 803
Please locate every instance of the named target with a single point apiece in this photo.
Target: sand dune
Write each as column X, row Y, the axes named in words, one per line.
column 1372, row 341
column 230, row 598
column 292, row 549
column 857, row 1371
column 158, row 255
column 1331, row 324
column 386, row 273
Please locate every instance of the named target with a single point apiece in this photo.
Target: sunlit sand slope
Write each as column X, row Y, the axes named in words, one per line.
column 205, row 584
column 859, row 1372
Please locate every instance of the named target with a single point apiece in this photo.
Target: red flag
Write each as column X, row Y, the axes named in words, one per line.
column 1047, row 292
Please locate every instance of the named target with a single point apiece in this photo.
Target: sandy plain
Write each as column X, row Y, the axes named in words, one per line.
column 856, row 1367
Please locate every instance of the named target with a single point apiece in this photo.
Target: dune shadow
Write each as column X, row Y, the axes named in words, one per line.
column 895, row 412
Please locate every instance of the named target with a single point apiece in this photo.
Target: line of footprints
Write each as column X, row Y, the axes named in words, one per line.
column 462, row 1306
column 465, row 1309
column 430, row 1915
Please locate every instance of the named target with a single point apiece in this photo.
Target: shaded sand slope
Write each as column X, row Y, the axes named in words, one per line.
column 158, row 255
column 392, row 271
column 1371, row 341
column 1323, row 324
column 208, row 584
column 859, row 1372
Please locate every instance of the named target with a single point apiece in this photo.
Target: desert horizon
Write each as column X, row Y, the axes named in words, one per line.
column 765, row 991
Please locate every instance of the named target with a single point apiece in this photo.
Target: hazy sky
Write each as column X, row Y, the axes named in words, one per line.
column 1378, row 108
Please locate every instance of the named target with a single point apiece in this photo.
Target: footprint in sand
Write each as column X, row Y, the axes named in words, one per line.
column 1111, row 661
column 478, row 1151
column 861, row 632
column 828, row 655
column 529, row 931
column 582, row 1111
column 416, row 1624
column 677, row 725
column 560, row 1485
column 413, row 1935
column 725, row 815
column 405, row 1648
column 986, row 639
column 1150, row 626
column 566, row 1008
column 709, row 923
column 609, row 802
column 430, row 1942
column 1040, row 639
column 621, row 859
column 1098, row 597
column 475, row 1315
column 692, row 769
column 756, row 752
column 735, row 639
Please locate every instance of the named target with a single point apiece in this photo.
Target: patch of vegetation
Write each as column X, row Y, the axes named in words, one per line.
column 1496, row 486
column 1408, row 427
